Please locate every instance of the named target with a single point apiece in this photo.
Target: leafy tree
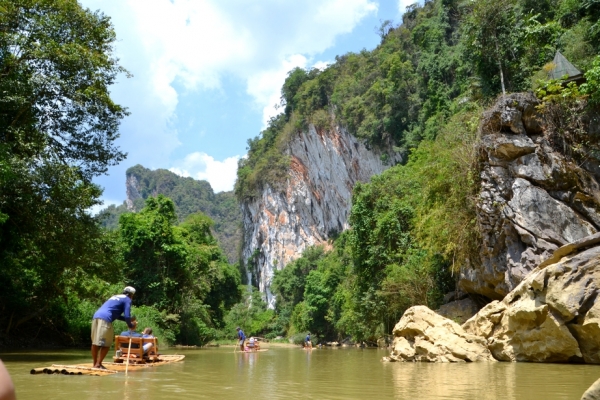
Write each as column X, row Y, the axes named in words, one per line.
column 213, row 279
column 592, row 85
column 180, row 271
column 289, row 283
column 58, row 126
column 251, row 315
column 295, row 79
column 155, row 255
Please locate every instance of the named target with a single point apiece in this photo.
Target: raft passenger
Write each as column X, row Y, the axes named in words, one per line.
column 147, row 334
column 253, row 344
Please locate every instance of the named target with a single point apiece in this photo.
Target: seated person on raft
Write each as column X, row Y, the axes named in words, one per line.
column 147, row 334
column 252, row 344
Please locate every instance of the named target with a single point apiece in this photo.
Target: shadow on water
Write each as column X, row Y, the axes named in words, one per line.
column 44, row 356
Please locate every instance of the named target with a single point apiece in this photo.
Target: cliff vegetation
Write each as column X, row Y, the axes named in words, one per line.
column 442, row 55
column 421, row 91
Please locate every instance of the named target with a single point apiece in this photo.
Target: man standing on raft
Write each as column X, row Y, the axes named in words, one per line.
column 102, row 327
column 241, row 337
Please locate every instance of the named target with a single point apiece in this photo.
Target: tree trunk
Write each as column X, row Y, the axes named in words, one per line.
column 500, row 65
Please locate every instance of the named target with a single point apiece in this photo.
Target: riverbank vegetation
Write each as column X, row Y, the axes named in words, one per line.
column 189, row 196
column 58, row 126
column 420, row 93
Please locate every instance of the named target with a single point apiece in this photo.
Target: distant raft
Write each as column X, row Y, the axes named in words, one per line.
column 111, row 368
column 248, row 351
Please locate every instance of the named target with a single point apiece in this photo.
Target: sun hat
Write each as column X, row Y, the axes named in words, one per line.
column 129, row 290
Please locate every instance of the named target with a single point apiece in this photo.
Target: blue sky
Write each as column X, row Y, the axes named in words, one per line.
column 207, row 74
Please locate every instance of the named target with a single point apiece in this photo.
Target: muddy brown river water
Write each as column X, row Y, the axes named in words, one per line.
column 293, row 373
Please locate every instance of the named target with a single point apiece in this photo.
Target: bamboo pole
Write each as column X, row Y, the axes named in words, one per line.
column 128, row 354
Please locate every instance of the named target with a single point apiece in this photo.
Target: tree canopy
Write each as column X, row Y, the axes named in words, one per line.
column 58, row 126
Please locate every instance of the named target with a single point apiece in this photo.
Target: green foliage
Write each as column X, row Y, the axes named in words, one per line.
column 155, row 255
column 190, row 196
column 173, row 268
column 109, row 217
column 266, row 162
column 289, row 283
column 251, row 315
column 164, row 326
column 567, row 109
column 58, row 127
column 410, row 226
column 592, row 85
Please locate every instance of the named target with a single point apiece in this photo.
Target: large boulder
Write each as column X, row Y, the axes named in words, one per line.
column 552, row 316
column 593, row 392
column 423, row 335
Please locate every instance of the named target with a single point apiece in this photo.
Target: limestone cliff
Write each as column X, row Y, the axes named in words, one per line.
column 534, row 197
column 311, row 205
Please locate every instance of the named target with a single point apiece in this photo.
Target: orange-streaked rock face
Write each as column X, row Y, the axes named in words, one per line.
column 313, row 203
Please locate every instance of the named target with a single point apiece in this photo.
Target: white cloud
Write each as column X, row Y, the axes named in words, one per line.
column 265, row 86
column 170, row 45
column 198, row 42
column 220, row 174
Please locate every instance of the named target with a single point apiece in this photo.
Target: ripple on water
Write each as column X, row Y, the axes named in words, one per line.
column 284, row 373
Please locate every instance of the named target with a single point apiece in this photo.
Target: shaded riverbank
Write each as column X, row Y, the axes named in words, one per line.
column 288, row 372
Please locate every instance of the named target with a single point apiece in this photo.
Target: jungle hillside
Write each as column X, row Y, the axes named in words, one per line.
column 420, row 92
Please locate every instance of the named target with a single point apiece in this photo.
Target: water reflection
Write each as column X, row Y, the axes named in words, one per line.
column 283, row 373
column 454, row 381
column 491, row 381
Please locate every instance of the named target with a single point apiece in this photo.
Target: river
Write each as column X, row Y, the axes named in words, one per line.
column 293, row 373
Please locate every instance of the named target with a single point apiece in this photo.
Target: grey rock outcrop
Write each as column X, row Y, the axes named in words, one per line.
column 533, row 199
column 131, row 188
column 313, row 203
column 423, row 335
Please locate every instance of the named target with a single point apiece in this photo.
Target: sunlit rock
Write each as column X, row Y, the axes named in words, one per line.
column 593, row 392
column 423, row 335
column 482, row 323
column 552, row 316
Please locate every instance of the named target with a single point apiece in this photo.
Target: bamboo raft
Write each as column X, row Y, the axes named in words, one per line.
column 250, row 351
column 111, row 368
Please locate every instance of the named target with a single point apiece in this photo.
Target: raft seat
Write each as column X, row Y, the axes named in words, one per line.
column 137, row 355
